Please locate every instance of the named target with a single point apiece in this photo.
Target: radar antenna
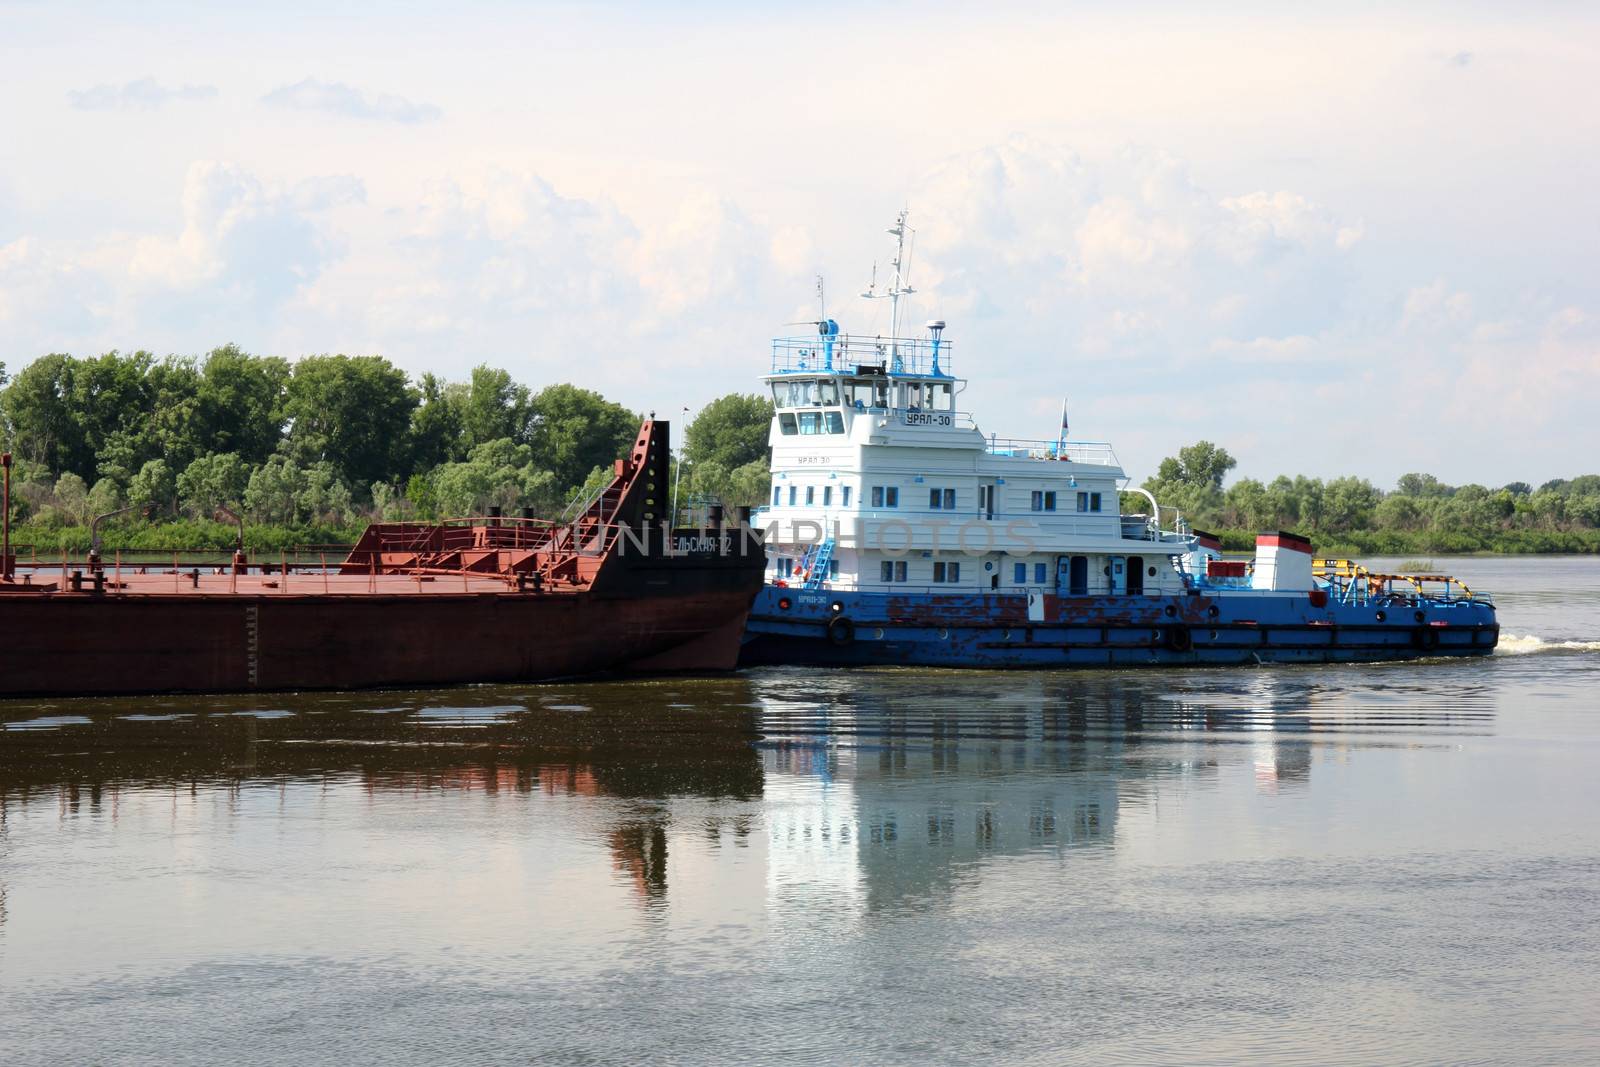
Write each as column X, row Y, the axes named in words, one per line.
column 899, row 283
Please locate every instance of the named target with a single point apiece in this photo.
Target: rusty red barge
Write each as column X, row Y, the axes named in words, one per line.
column 614, row 588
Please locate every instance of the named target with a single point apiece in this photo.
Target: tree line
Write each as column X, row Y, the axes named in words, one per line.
column 313, row 447
column 309, row 451
column 1350, row 515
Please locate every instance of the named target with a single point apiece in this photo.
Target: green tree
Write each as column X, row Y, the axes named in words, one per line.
column 154, row 486
column 577, row 430
column 436, row 425
column 353, row 412
column 1422, row 485
column 72, row 499
column 731, row 431
column 1202, row 465
column 241, row 403
column 273, row 493
column 218, row 478
column 40, row 420
column 496, row 408
column 423, row 497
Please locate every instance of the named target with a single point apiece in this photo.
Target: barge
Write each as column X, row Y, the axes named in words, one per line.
column 615, row 588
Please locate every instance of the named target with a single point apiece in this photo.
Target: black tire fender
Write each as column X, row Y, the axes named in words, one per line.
column 1179, row 639
column 841, row 631
column 1425, row 638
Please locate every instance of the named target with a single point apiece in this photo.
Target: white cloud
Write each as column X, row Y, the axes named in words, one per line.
column 145, row 94
column 337, row 98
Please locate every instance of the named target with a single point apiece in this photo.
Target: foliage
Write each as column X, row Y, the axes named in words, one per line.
column 1351, row 515
column 731, row 431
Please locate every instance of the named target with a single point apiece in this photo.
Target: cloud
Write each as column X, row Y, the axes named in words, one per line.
column 336, row 98
column 145, row 94
column 1460, row 59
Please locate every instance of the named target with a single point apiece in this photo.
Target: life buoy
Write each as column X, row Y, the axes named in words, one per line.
column 841, row 631
column 1179, row 639
column 1425, row 638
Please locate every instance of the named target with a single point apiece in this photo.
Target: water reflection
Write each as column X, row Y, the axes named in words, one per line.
column 930, row 861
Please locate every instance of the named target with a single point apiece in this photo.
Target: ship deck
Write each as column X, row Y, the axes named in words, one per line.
column 313, row 582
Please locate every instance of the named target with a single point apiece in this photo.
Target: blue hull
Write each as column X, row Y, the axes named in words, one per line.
column 822, row 627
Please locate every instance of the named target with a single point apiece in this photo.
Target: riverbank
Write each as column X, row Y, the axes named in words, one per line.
column 199, row 536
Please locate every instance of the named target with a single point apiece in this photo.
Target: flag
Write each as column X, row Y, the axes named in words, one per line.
column 1061, row 441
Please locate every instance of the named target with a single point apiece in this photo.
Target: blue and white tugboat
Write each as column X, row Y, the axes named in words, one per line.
column 899, row 533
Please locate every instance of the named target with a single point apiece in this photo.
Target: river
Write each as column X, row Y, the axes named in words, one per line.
column 1386, row 864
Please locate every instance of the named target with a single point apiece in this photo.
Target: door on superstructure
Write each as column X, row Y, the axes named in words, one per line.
column 1135, row 575
column 1078, row 584
column 1118, row 575
column 986, row 500
column 1064, row 566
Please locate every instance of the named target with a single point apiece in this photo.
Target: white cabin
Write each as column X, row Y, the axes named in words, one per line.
column 881, row 483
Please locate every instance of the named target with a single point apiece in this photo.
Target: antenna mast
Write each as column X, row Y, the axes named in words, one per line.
column 898, row 285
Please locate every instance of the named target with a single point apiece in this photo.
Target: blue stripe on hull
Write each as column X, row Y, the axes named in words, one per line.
column 994, row 631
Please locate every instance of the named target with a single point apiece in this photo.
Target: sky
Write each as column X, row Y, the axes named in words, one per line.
column 1358, row 244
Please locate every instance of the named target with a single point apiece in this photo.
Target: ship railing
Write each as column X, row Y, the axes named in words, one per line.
column 850, row 354
column 1096, row 453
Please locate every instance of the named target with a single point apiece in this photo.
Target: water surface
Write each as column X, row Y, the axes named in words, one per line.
column 1298, row 865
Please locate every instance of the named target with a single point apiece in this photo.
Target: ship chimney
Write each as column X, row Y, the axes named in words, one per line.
column 1283, row 562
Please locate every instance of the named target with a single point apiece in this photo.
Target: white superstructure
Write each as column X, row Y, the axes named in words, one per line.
column 881, row 482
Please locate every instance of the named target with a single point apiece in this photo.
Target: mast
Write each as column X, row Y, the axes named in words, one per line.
column 898, row 284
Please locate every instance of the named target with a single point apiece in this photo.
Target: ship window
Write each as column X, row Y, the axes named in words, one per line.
column 1019, row 574
column 943, row 397
column 885, row 496
column 833, row 568
column 1050, row 501
column 947, row 572
column 835, row 422
column 846, row 495
column 893, row 570
column 827, row 495
column 786, row 424
column 1038, row 573
column 1094, row 501
column 810, row 422
column 1083, row 501
column 776, row 493
column 811, row 494
column 1043, row 501
column 791, row 496
column 784, row 566
column 942, row 499
column 877, row 496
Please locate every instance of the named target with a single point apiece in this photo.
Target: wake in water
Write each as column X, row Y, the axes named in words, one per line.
column 1512, row 645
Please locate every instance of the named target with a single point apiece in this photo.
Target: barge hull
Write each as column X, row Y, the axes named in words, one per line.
column 155, row 644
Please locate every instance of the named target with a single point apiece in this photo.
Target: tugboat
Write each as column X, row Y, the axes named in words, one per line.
column 899, row 533
column 615, row 588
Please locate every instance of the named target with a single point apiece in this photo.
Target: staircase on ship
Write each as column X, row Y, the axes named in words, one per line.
column 565, row 552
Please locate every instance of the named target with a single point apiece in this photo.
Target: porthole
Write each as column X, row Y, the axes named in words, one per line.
column 1421, row 617
column 877, row 635
column 1151, row 572
column 783, row 603
column 836, row 607
column 1005, row 635
column 1171, row 610
column 944, row 635
column 1213, row 635
column 1212, row 611
column 1382, row 615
